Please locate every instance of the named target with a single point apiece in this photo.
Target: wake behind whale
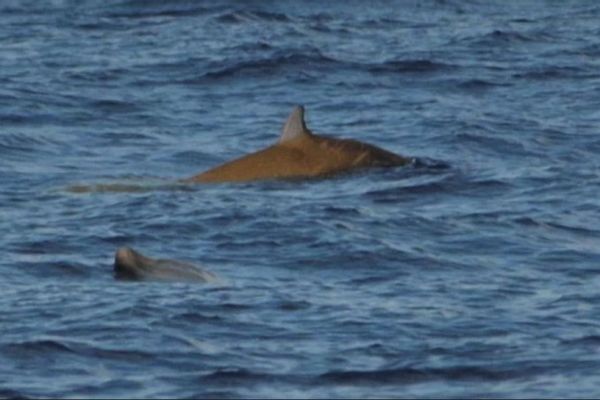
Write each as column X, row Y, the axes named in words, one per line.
column 122, row 187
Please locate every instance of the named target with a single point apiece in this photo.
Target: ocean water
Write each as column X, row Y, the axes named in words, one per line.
column 474, row 272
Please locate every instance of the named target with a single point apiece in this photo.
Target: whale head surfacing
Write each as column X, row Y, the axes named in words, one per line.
column 299, row 153
column 132, row 265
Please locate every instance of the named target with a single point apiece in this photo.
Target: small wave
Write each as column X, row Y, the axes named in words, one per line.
column 125, row 137
column 503, row 38
column 328, row 28
column 585, row 232
column 196, row 317
column 113, row 106
column 429, row 164
column 20, row 140
column 253, row 46
column 96, row 25
column 235, row 306
column 339, row 210
column 27, row 143
column 410, row 66
column 390, row 376
column 478, row 136
column 63, row 268
column 479, row 84
column 38, row 347
column 423, row 188
column 27, row 119
column 563, row 256
column 508, row 36
column 241, row 376
column 526, row 221
column 133, row 9
column 97, row 74
column 416, row 375
column 523, row 20
column 430, row 186
column 312, row 59
column 118, row 354
column 374, row 280
column 549, row 73
column 25, row 8
column 293, row 305
column 41, row 347
column 384, row 22
column 266, row 66
column 249, row 16
column 589, row 340
column 10, row 394
column 236, row 375
column 530, row 221
column 416, row 184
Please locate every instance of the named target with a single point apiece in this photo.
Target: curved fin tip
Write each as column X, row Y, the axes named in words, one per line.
column 295, row 126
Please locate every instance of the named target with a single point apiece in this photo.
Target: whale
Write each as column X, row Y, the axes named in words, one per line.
column 300, row 153
column 134, row 266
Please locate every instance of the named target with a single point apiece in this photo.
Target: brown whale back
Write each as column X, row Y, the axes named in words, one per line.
column 300, row 153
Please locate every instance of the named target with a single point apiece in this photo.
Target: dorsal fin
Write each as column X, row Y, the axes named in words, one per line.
column 294, row 126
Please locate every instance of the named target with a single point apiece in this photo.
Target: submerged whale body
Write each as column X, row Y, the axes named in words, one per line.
column 132, row 265
column 299, row 153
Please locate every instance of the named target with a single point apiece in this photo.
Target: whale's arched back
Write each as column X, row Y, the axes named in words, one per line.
column 300, row 154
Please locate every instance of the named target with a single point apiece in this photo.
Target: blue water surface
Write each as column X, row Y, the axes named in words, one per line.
column 473, row 272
